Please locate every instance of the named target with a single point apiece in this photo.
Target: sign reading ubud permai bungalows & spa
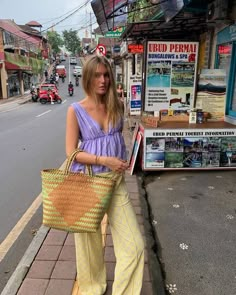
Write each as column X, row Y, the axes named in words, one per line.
column 170, row 76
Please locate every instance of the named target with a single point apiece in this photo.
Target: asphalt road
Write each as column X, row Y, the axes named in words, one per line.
column 193, row 214
column 32, row 138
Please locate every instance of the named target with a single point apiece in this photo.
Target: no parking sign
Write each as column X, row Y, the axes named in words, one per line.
column 101, row 50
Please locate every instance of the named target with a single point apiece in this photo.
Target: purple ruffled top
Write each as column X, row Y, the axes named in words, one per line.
column 96, row 141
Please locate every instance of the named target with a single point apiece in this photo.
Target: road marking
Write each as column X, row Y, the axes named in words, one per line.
column 18, row 228
column 64, row 101
column 43, row 113
column 21, row 224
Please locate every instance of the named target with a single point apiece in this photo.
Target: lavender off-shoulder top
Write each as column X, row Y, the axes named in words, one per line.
column 96, row 141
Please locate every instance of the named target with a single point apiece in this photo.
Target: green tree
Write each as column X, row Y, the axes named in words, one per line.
column 72, row 41
column 55, row 40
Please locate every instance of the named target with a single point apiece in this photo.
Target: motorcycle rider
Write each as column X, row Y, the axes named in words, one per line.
column 77, row 80
column 71, row 87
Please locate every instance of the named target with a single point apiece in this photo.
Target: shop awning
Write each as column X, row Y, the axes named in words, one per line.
column 152, row 16
column 186, row 20
column 19, row 62
column 16, row 62
column 110, row 14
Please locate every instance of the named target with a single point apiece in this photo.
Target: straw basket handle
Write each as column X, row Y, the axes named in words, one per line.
column 71, row 159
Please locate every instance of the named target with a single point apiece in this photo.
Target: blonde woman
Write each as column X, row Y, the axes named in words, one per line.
column 97, row 121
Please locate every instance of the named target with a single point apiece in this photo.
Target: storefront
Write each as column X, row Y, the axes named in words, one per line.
column 13, row 83
column 166, row 139
column 174, row 83
column 226, row 59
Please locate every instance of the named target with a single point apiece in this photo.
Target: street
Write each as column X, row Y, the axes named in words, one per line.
column 32, row 138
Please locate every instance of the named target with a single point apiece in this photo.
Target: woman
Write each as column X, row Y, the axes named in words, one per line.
column 120, row 93
column 96, row 122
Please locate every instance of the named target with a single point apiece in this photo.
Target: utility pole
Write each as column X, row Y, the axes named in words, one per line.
column 91, row 39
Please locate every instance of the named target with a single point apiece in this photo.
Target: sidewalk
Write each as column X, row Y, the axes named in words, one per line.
column 48, row 266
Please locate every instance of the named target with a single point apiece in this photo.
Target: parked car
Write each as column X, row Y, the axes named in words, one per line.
column 77, row 71
column 43, row 89
column 73, row 60
column 61, row 70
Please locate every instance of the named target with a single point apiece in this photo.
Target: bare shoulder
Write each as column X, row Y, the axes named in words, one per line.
column 83, row 102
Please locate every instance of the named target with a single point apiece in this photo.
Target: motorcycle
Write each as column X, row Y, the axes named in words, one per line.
column 45, row 98
column 34, row 95
column 70, row 91
column 77, row 81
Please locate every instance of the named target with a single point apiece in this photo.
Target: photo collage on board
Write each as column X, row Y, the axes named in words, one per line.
column 190, row 152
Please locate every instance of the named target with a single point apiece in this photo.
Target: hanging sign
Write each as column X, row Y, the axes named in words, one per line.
column 115, row 33
column 135, row 48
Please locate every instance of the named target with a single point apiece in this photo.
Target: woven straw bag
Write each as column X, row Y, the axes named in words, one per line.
column 74, row 202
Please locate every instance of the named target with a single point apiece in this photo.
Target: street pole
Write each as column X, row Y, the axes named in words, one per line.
column 91, row 39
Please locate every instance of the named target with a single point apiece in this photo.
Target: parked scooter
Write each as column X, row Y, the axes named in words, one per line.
column 50, row 97
column 34, row 95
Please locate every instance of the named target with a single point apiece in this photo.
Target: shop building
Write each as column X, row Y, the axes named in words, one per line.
column 23, row 52
column 188, row 62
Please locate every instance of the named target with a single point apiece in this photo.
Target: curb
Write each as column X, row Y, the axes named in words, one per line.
column 22, row 268
column 25, row 100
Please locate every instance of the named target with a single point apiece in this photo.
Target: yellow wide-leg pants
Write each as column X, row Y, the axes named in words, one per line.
column 128, row 247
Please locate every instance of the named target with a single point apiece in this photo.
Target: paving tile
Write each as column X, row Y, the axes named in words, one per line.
column 64, row 270
column 110, row 268
column 147, row 288
column 140, row 219
column 41, row 269
column 132, row 187
column 136, row 203
column 131, row 181
column 146, row 274
column 142, row 229
column 109, row 241
column 145, row 256
column 108, row 230
column 33, row 287
column 109, row 254
column 133, row 196
column 47, row 252
column 70, row 240
column 138, row 210
column 67, row 253
column 60, row 287
column 56, row 238
column 109, row 288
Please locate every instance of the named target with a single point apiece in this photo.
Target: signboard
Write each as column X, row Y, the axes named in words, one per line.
column 135, row 95
column 211, row 93
column 116, row 33
column 189, row 148
column 101, row 49
column 133, row 159
column 170, row 76
column 135, row 48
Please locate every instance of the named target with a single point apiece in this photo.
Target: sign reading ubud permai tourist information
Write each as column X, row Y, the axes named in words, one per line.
column 189, row 148
column 170, row 76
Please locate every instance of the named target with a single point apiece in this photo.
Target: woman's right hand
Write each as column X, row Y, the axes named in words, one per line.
column 115, row 164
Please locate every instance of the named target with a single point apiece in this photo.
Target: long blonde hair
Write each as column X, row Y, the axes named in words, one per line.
column 112, row 103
